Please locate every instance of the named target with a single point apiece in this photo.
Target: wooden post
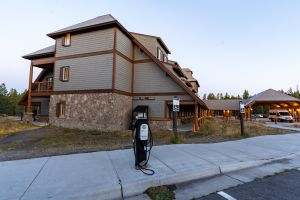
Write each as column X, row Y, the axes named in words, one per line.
column 29, row 89
column 293, row 113
column 196, row 116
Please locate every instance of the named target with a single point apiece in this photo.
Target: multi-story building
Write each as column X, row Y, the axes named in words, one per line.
column 97, row 72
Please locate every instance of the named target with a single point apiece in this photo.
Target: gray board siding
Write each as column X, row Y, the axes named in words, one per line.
column 124, row 44
column 139, row 54
column 93, row 72
column 86, row 43
column 123, row 74
column 44, row 105
column 149, row 77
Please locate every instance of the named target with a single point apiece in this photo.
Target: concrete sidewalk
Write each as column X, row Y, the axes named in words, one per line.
column 111, row 174
column 284, row 125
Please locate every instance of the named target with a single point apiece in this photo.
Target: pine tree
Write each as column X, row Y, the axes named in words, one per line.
column 290, row 91
column 226, row 96
column 211, row 96
column 3, row 99
column 246, row 95
column 204, row 96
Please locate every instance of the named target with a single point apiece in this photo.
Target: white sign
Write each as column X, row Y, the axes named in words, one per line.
column 176, row 103
column 144, row 132
column 242, row 108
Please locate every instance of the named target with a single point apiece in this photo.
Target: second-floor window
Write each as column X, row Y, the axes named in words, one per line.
column 64, row 73
column 67, row 40
column 159, row 54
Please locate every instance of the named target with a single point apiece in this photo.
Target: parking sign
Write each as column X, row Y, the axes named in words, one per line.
column 242, row 107
column 176, row 103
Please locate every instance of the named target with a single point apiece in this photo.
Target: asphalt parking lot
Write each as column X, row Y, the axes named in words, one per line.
column 283, row 186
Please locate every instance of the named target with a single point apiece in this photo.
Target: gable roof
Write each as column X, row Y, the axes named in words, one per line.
column 91, row 23
column 226, row 104
column 271, row 95
column 48, row 51
column 160, row 41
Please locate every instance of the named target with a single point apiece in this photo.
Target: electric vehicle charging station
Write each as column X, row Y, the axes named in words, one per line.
column 142, row 139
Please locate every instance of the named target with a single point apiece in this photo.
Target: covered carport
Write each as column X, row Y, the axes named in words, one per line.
column 274, row 99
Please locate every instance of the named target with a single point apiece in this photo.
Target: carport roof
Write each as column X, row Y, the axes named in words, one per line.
column 271, row 96
column 227, row 104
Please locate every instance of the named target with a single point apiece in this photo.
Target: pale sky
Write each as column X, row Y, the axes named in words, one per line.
column 231, row 45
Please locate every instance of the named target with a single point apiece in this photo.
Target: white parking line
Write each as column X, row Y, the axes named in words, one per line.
column 226, row 196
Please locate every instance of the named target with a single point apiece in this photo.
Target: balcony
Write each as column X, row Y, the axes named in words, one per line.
column 42, row 88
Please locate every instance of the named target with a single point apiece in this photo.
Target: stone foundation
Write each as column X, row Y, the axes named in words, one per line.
column 92, row 111
column 27, row 117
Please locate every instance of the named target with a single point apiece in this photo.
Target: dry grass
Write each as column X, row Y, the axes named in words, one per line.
column 49, row 141
column 231, row 128
column 9, row 126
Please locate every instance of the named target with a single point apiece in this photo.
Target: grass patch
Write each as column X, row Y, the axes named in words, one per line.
column 231, row 128
column 8, row 126
column 161, row 193
column 177, row 139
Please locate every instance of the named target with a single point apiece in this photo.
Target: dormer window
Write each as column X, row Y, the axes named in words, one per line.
column 67, row 40
column 165, row 58
column 159, row 54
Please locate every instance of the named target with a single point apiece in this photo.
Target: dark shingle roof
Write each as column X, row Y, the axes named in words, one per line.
column 104, row 19
column 42, row 52
column 230, row 104
column 271, row 95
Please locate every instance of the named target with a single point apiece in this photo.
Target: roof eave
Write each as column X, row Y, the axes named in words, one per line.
column 31, row 57
column 54, row 35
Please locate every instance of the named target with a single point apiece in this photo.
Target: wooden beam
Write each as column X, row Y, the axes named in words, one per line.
column 196, row 117
column 132, row 72
column 29, row 89
column 114, row 60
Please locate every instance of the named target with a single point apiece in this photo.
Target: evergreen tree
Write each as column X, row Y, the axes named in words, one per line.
column 221, row 96
column 226, row 96
column 290, row 91
column 211, row 96
column 246, row 95
column 204, row 96
column 12, row 102
column 3, row 98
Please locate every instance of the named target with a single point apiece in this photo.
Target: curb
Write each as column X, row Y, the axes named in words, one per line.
column 137, row 188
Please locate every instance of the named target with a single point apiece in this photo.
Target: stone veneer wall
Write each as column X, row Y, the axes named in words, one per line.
column 92, row 111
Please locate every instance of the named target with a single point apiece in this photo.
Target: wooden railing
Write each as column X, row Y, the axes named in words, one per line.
column 42, row 87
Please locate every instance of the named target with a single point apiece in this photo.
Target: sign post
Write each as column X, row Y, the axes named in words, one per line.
column 176, row 103
column 242, row 111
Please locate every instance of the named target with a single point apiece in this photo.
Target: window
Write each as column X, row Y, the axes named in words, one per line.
column 61, row 109
column 64, row 73
column 159, row 54
column 67, row 40
column 165, row 58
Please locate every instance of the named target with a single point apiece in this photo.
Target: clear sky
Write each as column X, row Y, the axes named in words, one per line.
column 231, row 45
